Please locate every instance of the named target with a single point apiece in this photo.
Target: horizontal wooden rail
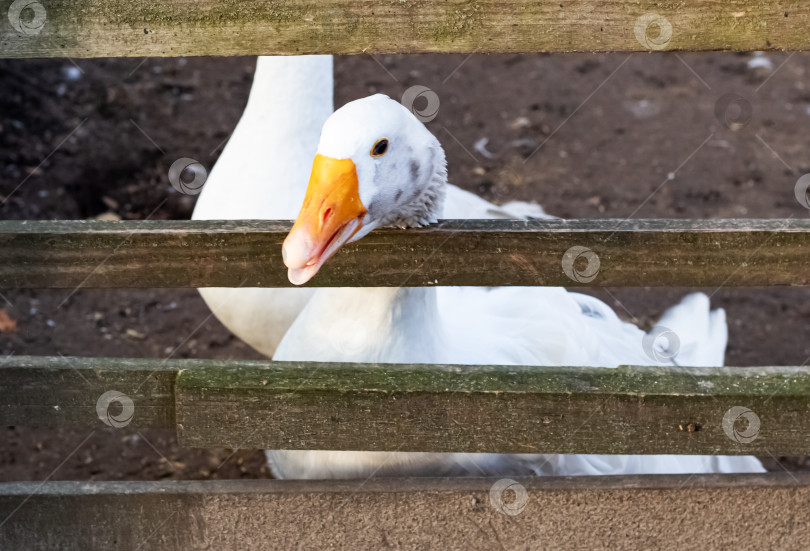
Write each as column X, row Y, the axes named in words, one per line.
column 280, row 405
column 761, row 511
column 62, row 392
column 106, row 28
column 73, row 254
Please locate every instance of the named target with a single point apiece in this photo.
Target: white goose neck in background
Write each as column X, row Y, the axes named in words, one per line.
column 290, row 89
column 264, row 169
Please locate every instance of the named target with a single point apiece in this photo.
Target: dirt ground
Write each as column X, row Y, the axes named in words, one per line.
column 646, row 135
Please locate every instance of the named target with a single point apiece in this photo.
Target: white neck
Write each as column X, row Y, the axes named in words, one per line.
column 263, row 170
column 289, row 89
column 392, row 325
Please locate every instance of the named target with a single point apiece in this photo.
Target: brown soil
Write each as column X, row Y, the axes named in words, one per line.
column 95, row 138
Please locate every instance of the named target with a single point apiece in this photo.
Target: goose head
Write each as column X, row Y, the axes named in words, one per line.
column 377, row 165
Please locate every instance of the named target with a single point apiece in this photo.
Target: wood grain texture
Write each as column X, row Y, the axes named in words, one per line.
column 281, row 405
column 760, row 511
column 63, row 391
column 119, row 28
column 633, row 410
column 72, row 254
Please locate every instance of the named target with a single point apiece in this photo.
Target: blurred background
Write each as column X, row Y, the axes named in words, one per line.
column 663, row 135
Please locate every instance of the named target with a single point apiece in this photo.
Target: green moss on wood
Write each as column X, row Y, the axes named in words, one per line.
column 101, row 28
column 419, row 407
column 491, row 409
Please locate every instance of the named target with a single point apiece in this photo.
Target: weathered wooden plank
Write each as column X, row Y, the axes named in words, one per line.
column 64, row 391
column 71, row 254
column 762, row 511
column 106, row 28
column 281, row 405
column 632, row 410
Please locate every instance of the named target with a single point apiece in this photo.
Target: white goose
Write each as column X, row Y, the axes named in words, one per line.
column 377, row 165
column 262, row 175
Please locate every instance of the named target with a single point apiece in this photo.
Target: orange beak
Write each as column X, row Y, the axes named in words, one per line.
column 331, row 214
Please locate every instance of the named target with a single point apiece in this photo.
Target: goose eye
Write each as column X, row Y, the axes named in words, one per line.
column 379, row 148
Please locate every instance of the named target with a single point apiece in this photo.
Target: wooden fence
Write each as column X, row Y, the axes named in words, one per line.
column 250, row 404
column 374, row 407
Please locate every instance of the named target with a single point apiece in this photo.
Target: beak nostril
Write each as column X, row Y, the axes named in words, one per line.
column 326, row 215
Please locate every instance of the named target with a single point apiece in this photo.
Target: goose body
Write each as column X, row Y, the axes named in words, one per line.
column 358, row 185
column 262, row 175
